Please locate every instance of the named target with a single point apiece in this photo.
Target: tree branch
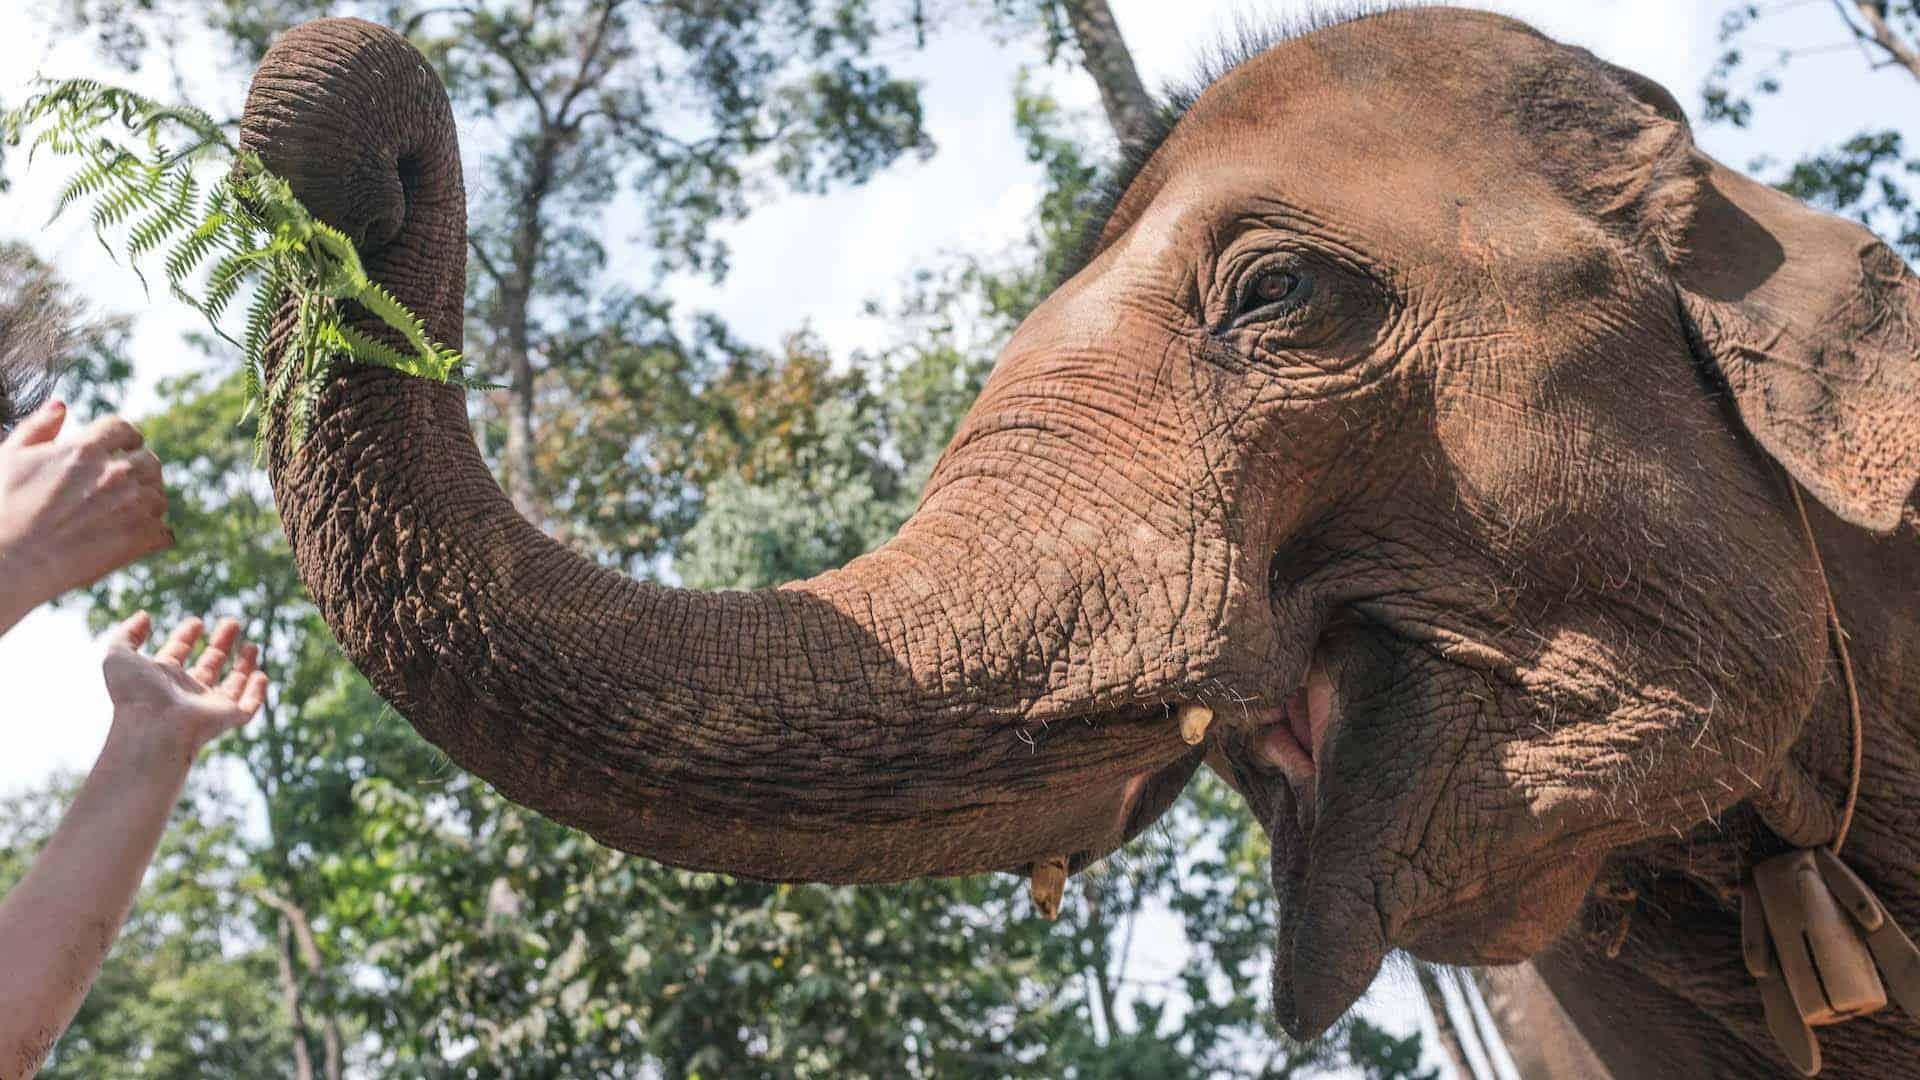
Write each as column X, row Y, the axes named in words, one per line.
column 415, row 20
column 520, row 76
column 296, row 1019
column 1105, row 54
column 1881, row 33
column 487, row 265
column 588, row 55
column 295, row 930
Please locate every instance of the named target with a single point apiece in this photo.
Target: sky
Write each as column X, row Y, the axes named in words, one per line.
column 815, row 261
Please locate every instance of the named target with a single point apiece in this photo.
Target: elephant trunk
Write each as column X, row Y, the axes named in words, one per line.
column 901, row 717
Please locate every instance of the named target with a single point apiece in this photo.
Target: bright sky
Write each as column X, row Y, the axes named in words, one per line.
column 816, row 260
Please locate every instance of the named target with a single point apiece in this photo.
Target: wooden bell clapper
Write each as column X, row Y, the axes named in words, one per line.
column 1813, row 934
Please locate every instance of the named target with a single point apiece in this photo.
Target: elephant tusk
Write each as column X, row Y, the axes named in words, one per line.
column 1049, row 884
column 1194, row 718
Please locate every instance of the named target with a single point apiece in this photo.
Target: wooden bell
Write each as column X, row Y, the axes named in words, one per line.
column 1818, row 940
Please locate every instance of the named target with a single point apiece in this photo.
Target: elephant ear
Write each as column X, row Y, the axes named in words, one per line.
column 1811, row 322
column 1814, row 325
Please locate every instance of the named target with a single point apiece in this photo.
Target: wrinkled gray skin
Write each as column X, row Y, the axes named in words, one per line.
column 1425, row 355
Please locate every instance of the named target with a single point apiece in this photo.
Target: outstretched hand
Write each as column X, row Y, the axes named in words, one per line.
column 185, row 707
column 71, row 510
column 59, row 920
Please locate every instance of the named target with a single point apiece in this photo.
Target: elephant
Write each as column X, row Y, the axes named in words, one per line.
column 1416, row 443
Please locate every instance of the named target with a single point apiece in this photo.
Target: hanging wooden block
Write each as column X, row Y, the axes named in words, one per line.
column 1819, row 942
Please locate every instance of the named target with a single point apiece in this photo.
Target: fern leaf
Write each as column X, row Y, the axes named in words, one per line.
column 135, row 161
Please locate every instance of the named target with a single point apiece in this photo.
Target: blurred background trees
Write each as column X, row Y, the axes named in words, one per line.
column 1871, row 174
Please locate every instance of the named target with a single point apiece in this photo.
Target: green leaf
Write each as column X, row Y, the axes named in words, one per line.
column 252, row 229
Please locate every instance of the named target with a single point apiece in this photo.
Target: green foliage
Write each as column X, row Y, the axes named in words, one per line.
column 186, row 992
column 251, row 227
column 1382, row 1056
column 1871, row 175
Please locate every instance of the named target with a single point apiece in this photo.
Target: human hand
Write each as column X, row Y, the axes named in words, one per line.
column 162, row 704
column 72, row 510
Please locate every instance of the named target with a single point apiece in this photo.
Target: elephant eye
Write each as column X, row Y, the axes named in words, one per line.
column 1273, row 292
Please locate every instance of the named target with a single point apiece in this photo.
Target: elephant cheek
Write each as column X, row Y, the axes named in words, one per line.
column 1508, row 919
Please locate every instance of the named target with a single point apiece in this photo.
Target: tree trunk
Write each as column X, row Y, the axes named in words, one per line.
column 1899, row 53
column 1105, row 55
column 290, row 995
column 296, row 937
column 1451, row 1044
column 1538, row 1034
column 512, row 327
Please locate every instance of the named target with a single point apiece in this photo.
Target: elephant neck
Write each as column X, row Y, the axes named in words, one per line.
column 1654, row 977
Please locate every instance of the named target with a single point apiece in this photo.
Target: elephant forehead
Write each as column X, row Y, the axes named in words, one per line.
column 1385, row 127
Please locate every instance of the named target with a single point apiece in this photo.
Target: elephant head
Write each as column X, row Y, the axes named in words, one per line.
column 1421, row 408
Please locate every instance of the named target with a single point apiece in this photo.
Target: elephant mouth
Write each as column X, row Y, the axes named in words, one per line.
column 1330, row 939
column 1291, row 738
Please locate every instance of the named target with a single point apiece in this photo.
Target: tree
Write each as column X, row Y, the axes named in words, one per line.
column 686, row 108
column 322, row 729
column 1089, row 26
column 179, row 996
column 1870, row 175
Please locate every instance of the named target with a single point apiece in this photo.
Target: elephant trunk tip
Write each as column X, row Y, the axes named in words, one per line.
column 357, row 122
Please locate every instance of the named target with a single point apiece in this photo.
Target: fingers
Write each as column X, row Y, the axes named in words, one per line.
column 243, row 666
column 40, row 426
column 143, row 501
column 253, row 695
column 113, row 435
column 144, row 468
column 244, row 686
column 132, row 632
column 126, row 510
column 134, row 473
column 180, row 643
column 206, row 670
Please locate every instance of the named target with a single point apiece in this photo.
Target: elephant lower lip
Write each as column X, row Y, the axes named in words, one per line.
column 1328, row 944
column 1293, row 737
column 1329, row 939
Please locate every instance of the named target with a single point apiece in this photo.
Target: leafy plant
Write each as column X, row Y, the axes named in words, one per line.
column 139, row 167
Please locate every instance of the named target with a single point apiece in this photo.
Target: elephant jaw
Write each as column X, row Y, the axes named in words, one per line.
column 1329, row 942
column 1337, row 886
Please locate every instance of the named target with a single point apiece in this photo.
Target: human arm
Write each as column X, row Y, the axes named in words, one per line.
column 73, row 509
column 58, row 923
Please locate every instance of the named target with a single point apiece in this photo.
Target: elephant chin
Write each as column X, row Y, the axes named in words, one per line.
column 1338, row 919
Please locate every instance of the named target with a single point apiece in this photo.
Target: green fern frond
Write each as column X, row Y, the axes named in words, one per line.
column 138, row 161
column 267, row 303
column 86, row 183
